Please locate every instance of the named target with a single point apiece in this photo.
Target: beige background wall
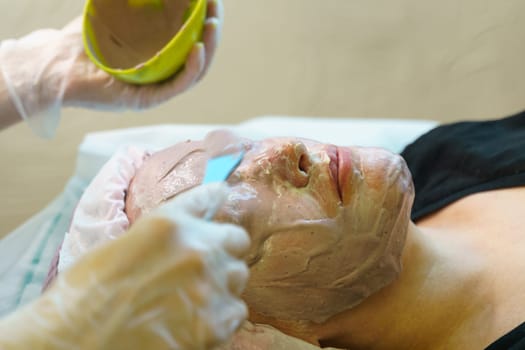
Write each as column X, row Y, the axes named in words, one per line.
column 446, row 60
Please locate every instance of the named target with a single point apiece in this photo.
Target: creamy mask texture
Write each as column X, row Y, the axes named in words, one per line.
column 128, row 36
column 327, row 224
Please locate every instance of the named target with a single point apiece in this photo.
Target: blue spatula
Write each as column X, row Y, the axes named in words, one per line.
column 218, row 169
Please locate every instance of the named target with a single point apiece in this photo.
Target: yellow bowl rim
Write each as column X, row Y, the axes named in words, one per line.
column 133, row 70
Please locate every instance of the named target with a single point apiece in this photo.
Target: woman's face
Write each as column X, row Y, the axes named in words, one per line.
column 327, row 223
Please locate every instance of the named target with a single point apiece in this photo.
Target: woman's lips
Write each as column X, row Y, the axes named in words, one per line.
column 344, row 168
column 333, row 153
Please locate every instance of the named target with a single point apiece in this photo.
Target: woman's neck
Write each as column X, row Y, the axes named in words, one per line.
column 440, row 301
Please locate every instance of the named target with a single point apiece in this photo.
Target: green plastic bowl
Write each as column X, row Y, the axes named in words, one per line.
column 157, row 65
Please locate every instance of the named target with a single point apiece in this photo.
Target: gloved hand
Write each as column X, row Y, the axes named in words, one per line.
column 48, row 69
column 172, row 282
column 263, row 337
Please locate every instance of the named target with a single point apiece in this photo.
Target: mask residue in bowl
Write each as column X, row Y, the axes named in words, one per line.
column 128, row 36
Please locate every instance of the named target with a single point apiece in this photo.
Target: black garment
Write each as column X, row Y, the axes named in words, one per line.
column 456, row 160
column 514, row 340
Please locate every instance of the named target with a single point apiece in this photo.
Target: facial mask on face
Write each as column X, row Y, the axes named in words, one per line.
column 308, row 265
column 312, row 255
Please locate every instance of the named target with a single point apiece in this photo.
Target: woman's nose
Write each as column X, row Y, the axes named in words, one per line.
column 294, row 163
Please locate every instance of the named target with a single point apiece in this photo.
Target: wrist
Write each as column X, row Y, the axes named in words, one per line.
column 30, row 86
column 60, row 319
column 32, row 327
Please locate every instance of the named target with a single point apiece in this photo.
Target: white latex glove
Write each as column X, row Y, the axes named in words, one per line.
column 172, row 282
column 263, row 337
column 48, row 69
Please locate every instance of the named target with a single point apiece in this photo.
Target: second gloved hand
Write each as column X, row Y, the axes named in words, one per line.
column 172, row 282
column 48, row 69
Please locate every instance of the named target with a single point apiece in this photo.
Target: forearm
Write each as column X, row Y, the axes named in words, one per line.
column 29, row 328
column 65, row 319
column 32, row 81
